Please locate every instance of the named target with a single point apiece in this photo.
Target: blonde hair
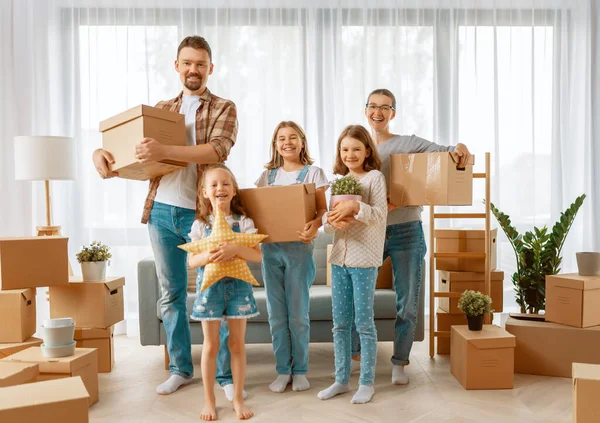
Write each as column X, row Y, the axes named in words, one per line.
column 206, row 209
column 357, row 132
column 276, row 159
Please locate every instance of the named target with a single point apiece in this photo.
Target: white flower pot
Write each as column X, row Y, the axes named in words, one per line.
column 94, row 270
column 337, row 198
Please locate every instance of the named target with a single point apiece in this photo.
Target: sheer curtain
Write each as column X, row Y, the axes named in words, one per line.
column 516, row 78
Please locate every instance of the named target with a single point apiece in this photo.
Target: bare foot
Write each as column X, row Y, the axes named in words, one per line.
column 241, row 410
column 209, row 412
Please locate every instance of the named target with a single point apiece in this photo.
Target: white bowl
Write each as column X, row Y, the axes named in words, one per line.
column 58, row 323
column 60, row 351
column 54, row 337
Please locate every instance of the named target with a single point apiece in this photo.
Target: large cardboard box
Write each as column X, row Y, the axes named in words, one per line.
column 462, row 281
column 13, row 348
column 573, row 300
column 280, row 212
column 102, row 340
column 430, row 179
column 90, row 304
column 482, row 359
column 83, row 363
column 385, row 277
column 464, row 241
column 12, row 374
column 33, row 262
column 586, row 391
column 53, row 401
column 122, row 132
column 550, row 349
column 17, row 315
column 444, row 322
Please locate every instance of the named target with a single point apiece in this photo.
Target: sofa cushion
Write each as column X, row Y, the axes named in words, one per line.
column 320, row 304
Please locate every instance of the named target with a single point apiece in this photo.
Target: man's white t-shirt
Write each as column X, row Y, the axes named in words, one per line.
column 179, row 188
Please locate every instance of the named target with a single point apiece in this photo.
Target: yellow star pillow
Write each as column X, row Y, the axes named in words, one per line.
column 236, row 268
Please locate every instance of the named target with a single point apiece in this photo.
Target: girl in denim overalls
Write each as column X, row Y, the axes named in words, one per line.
column 229, row 298
column 288, row 267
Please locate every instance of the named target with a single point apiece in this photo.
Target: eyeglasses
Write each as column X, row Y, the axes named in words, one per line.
column 372, row 107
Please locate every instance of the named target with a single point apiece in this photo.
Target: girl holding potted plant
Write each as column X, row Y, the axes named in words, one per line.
column 288, row 268
column 475, row 304
column 359, row 228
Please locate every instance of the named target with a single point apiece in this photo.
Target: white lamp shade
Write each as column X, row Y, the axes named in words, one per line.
column 39, row 158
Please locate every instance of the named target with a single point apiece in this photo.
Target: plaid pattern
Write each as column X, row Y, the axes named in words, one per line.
column 216, row 124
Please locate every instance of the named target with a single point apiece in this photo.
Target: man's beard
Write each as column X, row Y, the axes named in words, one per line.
column 193, row 86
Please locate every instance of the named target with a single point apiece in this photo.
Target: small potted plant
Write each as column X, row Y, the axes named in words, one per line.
column 94, row 260
column 345, row 188
column 475, row 304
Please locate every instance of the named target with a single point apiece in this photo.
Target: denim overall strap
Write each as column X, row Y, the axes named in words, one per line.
column 272, row 175
column 302, row 175
column 235, row 227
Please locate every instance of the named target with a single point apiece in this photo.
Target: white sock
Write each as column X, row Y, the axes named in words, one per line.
column 172, row 384
column 398, row 375
column 363, row 395
column 280, row 383
column 300, row 383
column 354, row 369
column 228, row 389
column 333, row 390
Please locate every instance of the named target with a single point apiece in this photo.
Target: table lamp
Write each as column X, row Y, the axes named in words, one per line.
column 45, row 158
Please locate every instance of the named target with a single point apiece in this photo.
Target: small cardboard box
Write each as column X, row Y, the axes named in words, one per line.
column 444, row 322
column 102, row 340
column 573, row 300
column 464, row 241
column 53, row 401
column 17, row 315
column 12, row 374
column 83, row 363
column 13, row 348
column 280, row 212
column 91, row 304
column 550, row 349
column 482, row 359
column 586, row 391
column 122, row 132
column 385, row 278
column 430, row 179
column 462, row 281
column 33, row 262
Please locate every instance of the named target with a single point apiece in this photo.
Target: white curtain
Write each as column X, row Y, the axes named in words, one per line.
column 516, row 78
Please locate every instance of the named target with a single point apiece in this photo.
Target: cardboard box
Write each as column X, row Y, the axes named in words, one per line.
column 12, row 374
column 586, row 391
column 33, row 262
column 444, row 322
column 462, row 281
column 464, row 241
column 550, row 349
column 122, row 132
column 385, row 277
column 17, row 315
column 90, row 304
column 482, row 359
column 54, row 401
column 573, row 300
column 13, row 348
column 102, row 340
column 430, row 179
column 280, row 212
column 83, row 363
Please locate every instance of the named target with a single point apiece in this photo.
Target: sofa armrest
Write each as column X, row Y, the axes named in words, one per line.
column 148, row 295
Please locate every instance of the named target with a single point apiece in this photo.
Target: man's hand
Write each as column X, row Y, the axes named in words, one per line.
column 463, row 154
column 150, row 150
column 101, row 159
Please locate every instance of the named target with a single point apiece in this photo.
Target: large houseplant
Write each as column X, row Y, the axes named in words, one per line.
column 94, row 260
column 538, row 254
column 345, row 188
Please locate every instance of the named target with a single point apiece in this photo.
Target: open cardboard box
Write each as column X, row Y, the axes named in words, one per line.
column 17, row 315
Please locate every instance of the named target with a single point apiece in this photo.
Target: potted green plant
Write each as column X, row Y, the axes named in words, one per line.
column 538, row 254
column 345, row 188
column 94, row 260
column 475, row 304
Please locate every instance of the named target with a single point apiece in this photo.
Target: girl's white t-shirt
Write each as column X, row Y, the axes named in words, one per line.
column 282, row 178
column 199, row 228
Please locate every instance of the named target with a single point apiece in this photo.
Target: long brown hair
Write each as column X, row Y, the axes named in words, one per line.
column 276, row 159
column 358, row 132
column 237, row 208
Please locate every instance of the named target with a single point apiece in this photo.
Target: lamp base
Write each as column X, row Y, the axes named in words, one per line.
column 48, row 230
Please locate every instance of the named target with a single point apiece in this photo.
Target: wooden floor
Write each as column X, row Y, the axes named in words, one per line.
column 433, row 395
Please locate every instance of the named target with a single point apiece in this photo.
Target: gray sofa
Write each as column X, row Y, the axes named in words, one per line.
column 152, row 331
